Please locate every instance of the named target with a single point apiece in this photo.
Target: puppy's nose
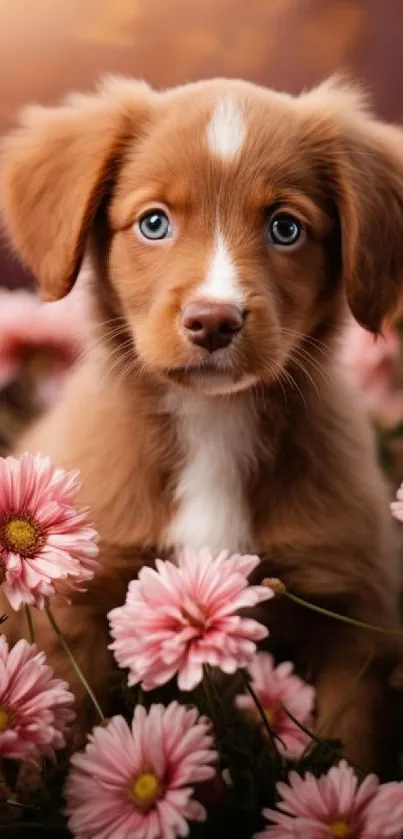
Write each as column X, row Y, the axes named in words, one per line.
column 212, row 325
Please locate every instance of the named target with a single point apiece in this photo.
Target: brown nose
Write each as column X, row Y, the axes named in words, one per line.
column 212, row 325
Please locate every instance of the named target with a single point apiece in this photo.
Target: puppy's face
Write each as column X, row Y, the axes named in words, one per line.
column 221, row 237
column 229, row 222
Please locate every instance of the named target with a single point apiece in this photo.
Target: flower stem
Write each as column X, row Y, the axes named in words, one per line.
column 73, row 662
column 212, row 700
column 343, row 618
column 30, row 624
column 312, row 736
column 315, row 738
column 272, row 734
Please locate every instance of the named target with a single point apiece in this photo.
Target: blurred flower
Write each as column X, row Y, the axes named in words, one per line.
column 395, row 680
column 52, row 332
column 35, row 708
column 335, row 805
column 373, row 366
column 139, row 781
column 279, row 688
column 396, row 507
column 43, row 537
column 178, row 617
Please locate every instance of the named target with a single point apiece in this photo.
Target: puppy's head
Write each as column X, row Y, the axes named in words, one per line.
column 228, row 222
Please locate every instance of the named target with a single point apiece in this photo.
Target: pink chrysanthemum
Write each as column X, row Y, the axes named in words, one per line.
column 139, row 781
column 43, row 537
column 279, row 688
column 35, row 708
column 335, row 805
column 178, row 617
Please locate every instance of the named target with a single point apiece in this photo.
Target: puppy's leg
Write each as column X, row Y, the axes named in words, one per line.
column 354, row 705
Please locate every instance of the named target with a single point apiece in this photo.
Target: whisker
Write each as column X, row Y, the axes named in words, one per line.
column 129, row 369
column 106, row 369
column 276, row 370
column 309, row 339
column 112, row 333
column 99, row 344
column 300, row 366
column 304, row 357
column 283, row 373
column 110, row 320
column 291, row 379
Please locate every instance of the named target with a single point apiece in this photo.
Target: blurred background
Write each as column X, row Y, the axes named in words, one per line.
column 49, row 47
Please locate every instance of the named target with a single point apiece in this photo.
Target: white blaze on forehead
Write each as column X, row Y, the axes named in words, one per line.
column 226, row 130
column 221, row 282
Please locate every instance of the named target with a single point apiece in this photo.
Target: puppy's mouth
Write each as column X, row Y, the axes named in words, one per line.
column 208, row 377
column 203, row 368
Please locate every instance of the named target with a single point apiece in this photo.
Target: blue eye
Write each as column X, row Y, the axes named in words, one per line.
column 284, row 230
column 155, row 225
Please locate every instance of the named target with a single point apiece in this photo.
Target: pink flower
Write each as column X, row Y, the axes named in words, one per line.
column 139, row 781
column 178, row 617
column 335, row 805
column 279, row 687
column 385, row 813
column 28, row 326
column 373, row 366
column 35, row 708
column 43, row 537
column 396, row 507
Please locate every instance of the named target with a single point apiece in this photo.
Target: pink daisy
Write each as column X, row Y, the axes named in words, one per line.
column 138, row 781
column 335, row 805
column 178, row 617
column 35, row 708
column 43, row 537
column 279, row 687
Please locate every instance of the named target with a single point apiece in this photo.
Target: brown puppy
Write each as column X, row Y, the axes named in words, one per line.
column 226, row 225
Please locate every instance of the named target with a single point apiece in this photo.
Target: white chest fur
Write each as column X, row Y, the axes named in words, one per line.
column 218, row 438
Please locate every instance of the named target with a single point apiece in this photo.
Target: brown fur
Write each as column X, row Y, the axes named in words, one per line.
column 311, row 494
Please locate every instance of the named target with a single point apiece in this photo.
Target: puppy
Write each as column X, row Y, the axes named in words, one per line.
column 228, row 228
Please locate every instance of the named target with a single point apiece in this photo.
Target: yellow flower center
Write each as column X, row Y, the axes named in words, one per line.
column 21, row 534
column 270, row 714
column 339, row 829
column 4, row 720
column 146, row 788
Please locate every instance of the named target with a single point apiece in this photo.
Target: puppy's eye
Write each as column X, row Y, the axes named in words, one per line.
column 155, row 225
column 284, row 230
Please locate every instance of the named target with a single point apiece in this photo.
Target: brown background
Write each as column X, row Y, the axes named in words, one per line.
column 48, row 47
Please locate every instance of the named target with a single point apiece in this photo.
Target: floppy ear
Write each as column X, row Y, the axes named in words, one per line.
column 365, row 174
column 371, row 215
column 54, row 172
